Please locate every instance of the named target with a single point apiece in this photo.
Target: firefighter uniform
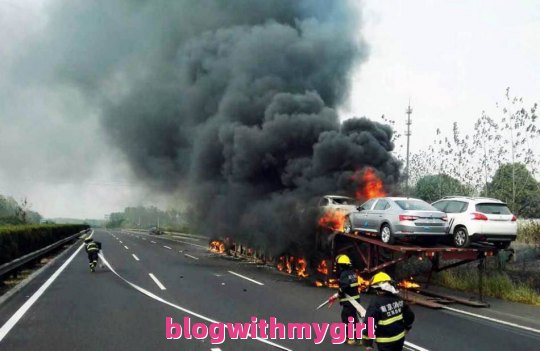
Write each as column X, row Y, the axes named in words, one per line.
column 348, row 285
column 392, row 316
column 348, row 290
column 92, row 249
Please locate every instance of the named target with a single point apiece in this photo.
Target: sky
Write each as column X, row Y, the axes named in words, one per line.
column 451, row 59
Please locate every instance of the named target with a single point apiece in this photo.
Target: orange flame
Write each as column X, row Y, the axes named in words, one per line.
column 292, row 264
column 217, row 246
column 333, row 219
column 371, row 185
column 301, row 267
column 333, row 283
column 408, row 284
column 322, row 267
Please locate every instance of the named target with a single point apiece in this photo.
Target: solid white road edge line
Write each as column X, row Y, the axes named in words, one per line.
column 135, row 257
column 415, row 347
column 185, row 310
column 493, row 319
column 158, row 283
column 26, row 306
column 188, row 255
column 246, row 278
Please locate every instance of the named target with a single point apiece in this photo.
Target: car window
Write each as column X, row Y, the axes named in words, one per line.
column 493, row 208
column 440, row 205
column 381, row 205
column 344, row 201
column 367, row 205
column 415, row 205
column 456, row 207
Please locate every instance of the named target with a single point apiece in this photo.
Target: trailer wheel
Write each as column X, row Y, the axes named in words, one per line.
column 386, row 235
column 461, row 237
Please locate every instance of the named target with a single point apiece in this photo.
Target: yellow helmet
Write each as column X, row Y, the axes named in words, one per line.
column 343, row 259
column 380, row 277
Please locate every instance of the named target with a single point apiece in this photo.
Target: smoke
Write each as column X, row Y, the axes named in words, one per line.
column 231, row 103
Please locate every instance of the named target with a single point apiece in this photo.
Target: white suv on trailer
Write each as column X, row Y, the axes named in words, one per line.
column 478, row 219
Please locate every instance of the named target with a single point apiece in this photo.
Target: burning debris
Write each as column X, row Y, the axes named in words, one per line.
column 323, row 268
column 291, row 264
column 217, row 246
column 408, row 284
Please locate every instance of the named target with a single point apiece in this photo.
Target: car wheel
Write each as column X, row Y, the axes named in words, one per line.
column 503, row 245
column 461, row 237
column 386, row 235
column 347, row 227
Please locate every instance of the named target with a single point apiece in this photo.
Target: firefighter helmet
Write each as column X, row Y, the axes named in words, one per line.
column 343, row 259
column 380, row 277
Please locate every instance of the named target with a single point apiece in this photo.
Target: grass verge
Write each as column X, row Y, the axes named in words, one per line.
column 496, row 284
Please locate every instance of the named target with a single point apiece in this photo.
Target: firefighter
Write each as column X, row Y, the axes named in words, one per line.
column 92, row 249
column 348, row 290
column 393, row 318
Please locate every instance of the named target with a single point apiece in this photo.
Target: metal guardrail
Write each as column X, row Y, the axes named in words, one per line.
column 16, row 263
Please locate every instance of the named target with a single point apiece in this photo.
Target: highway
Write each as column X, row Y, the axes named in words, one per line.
column 79, row 310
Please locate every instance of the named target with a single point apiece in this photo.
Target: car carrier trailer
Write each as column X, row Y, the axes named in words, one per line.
column 369, row 256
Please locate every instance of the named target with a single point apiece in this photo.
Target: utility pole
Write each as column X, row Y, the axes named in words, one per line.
column 408, row 134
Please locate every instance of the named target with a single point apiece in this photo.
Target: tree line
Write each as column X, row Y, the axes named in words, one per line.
column 146, row 217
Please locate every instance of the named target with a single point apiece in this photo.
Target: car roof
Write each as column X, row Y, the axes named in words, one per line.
column 394, row 198
column 403, row 198
column 471, row 198
column 338, row 197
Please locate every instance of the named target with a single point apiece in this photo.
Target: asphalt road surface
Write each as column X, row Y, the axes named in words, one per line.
column 79, row 310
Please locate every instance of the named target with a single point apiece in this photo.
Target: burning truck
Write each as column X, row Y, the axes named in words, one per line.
column 369, row 255
column 316, row 263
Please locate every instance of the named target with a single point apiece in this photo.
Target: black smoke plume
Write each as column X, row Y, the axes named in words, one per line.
column 230, row 102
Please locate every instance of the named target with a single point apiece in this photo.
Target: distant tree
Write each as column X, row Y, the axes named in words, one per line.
column 433, row 187
column 115, row 220
column 515, row 185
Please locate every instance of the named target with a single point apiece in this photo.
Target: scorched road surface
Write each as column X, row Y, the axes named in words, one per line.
column 84, row 311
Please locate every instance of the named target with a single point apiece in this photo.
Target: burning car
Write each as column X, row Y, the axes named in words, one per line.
column 334, row 209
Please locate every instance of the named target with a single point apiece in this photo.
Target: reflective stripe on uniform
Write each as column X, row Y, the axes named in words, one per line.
column 354, row 285
column 92, row 247
column 391, row 339
column 390, row 320
column 349, row 298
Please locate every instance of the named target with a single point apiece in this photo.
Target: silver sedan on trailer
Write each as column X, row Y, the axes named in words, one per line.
column 398, row 217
